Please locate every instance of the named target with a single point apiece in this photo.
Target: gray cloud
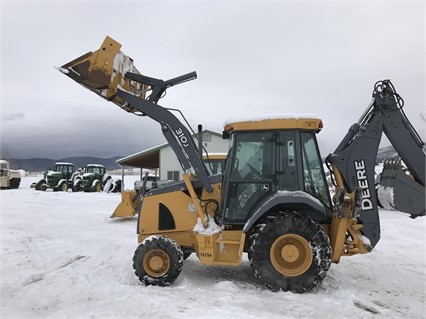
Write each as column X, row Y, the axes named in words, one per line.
column 12, row 116
column 251, row 57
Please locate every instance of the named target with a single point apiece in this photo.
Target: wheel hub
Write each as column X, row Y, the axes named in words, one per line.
column 291, row 255
column 156, row 263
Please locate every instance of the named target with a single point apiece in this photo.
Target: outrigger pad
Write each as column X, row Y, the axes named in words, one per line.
column 399, row 191
column 103, row 72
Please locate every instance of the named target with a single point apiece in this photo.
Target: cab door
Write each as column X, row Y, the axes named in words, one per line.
column 250, row 176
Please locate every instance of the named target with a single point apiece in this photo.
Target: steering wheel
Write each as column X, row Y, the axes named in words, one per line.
column 254, row 171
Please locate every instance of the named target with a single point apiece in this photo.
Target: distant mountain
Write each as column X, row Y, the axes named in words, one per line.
column 42, row 164
column 386, row 153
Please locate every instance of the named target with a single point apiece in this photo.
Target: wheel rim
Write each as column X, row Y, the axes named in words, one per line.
column 291, row 255
column 64, row 187
column 156, row 263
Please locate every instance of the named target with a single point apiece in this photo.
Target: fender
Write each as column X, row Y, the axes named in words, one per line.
column 78, row 179
column 60, row 181
column 94, row 182
column 289, row 200
column 105, row 178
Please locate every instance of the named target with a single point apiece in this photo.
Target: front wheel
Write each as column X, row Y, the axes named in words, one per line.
column 158, row 261
column 77, row 187
column 290, row 252
column 41, row 185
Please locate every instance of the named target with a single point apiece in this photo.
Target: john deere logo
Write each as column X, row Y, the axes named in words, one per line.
column 362, row 180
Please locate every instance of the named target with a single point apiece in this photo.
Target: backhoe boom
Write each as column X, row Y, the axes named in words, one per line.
column 355, row 159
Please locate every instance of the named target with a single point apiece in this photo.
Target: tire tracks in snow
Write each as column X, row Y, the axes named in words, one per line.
column 38, row 277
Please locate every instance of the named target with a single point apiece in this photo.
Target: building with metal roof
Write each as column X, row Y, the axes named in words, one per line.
column 162, row 158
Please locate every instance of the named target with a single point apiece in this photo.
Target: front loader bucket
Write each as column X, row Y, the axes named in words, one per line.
column 103, row 72
column 399, row 191
column 127, row 206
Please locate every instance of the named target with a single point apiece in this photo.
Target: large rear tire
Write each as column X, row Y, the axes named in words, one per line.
column 290, row 252
column 77, row 187
column 98, row 187
column 14, row 183
column 116, row 186
column 158, row 261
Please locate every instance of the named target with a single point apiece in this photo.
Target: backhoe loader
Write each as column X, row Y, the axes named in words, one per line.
column 272, row 201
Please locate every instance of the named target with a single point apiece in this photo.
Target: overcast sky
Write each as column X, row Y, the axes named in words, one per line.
column 251, row 57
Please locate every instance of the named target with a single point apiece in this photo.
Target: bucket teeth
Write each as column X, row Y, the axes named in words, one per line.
column 392, row 163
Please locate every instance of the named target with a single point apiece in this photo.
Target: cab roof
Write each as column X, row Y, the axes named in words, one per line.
column 305, row 123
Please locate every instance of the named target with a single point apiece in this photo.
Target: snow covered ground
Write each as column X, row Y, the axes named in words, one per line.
column 63, row 257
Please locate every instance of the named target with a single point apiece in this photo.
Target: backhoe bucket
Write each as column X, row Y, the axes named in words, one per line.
column 399, row 191
column 127, row 207
column 103, row 72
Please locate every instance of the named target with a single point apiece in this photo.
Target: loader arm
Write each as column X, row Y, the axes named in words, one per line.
column 111, row 74
column 354, row 159
column 176, row 134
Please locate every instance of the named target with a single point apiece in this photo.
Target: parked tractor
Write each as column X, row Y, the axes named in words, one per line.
column 94, row 178
column 61, row 178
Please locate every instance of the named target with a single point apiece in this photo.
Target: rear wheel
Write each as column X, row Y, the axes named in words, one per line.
column 116, row 186
column 158, row 261
column 63, row 187
column 97, row 187
column 290, row 252
column 14, row 183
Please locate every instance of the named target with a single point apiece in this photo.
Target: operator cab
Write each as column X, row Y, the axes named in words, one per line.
column 67, row 169
column 268, row 157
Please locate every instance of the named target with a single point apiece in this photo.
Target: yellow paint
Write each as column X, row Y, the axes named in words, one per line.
column 126, row 208
column 275, row 124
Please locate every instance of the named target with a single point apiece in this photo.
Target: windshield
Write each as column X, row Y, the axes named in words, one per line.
column 64, row 169
column 95, row 169
column 313, row 172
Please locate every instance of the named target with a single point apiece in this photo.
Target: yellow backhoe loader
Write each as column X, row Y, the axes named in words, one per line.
column 272, row 200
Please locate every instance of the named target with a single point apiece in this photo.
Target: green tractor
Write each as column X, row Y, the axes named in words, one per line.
column 60, row 178
column 94, row 178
